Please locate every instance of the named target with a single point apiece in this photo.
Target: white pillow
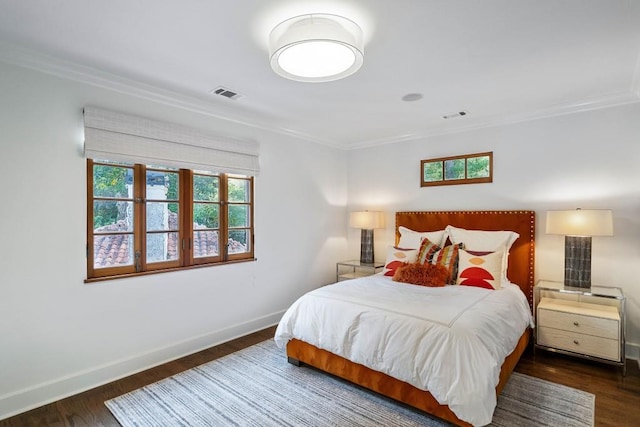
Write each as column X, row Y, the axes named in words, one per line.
column 410, row 239
column 484, row 240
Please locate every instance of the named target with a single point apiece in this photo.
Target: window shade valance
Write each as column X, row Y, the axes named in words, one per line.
column 109, row 135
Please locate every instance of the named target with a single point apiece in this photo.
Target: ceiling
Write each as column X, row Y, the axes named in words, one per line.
column 501, row 61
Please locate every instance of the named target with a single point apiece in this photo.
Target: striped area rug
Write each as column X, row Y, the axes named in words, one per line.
column 257, row 387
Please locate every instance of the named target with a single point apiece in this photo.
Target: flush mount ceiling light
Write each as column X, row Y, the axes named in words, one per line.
column 316, row 48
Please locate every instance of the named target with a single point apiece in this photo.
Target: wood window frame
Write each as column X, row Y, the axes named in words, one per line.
column 456, row 181
column 185, row 247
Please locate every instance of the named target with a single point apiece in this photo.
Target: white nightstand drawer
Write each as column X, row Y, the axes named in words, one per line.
column 578, row 323
column 579, row 343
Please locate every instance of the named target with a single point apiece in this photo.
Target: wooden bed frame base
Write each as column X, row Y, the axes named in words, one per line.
column 300, row 352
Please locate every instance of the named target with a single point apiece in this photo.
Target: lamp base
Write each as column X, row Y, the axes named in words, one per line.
column 366, row 246
column 577, row 261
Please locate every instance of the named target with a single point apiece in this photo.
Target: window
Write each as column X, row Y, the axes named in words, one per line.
column 466, row 169
column 144, row 218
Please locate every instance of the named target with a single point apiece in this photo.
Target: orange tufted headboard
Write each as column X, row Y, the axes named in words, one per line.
column 521, row 256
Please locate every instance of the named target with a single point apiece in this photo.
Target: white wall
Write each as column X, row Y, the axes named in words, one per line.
column 59, row 335
column 589, row 160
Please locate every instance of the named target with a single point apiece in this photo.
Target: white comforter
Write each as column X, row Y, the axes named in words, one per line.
column 451, row 341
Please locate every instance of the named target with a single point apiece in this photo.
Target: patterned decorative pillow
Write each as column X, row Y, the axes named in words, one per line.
column 448, row 257
column 426, row 251
column 422, row 274
column 396, row 257
column 482, row 240
column 480, row 269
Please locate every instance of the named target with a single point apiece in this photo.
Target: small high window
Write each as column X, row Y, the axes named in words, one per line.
column 465, row 169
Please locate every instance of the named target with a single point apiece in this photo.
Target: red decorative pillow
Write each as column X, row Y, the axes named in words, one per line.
column 422, row 274
column 480, row 269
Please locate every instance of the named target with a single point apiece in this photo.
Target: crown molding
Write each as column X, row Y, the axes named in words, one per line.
column 589, row 104
column 22, row 57
column 68, row 70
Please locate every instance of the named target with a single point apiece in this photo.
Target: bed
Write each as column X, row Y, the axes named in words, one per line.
column 366, row 362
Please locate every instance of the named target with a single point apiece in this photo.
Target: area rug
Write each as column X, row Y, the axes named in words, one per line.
column 257, row 387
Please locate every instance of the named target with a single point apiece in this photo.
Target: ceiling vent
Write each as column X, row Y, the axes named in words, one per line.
column 227, row 93
column 456, row 114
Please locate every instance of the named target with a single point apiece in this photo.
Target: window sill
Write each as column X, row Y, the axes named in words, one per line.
column 168, row 270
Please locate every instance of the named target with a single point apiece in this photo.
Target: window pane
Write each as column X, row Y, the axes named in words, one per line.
column 112, row 250
column 205, row 188
column 238, row 241
column 162, row 216
column 205, row 215
column 478, row 167
column 162, row 247
column 432, row 171
column 112, row 181
column 238, row 216
column 205, row 243
column 112, row 216
column 162, row 185
column 239, row 190
column 454, row 169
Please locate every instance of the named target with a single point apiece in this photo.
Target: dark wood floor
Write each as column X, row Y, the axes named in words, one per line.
column 617, row 397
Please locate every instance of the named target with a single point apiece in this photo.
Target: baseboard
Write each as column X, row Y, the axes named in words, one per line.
column 632, row 351
column 41, row 394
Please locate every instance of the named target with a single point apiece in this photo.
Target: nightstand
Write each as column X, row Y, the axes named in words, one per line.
column 583, row 322
column 353, row 269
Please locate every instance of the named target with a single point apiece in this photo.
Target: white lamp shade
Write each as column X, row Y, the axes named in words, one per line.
column 367, row 220
column 580, row 222
column 316, row 48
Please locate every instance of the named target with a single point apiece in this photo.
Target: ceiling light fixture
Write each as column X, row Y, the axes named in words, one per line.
column 316, row 48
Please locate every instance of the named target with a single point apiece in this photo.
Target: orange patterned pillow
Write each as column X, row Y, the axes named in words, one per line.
column 422, row 274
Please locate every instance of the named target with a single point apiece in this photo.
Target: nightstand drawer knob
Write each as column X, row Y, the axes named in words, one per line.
column 576, row 324
column 576, row 342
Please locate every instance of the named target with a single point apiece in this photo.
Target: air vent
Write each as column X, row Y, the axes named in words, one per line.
column 456, row 114
column 227, row 93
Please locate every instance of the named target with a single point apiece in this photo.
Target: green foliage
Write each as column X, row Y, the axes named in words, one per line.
column 478, row 167
column 238, row 190
column 108, row 181
column 239, row 214
column 432, row 171
column 205, row 189
column 454, row 169
column 172, row 191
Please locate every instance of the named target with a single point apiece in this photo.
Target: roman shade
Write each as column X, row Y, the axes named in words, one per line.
column 114, row 136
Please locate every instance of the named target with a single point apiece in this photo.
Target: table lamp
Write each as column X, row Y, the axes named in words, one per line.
column 578, row 226
column 367, row 221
